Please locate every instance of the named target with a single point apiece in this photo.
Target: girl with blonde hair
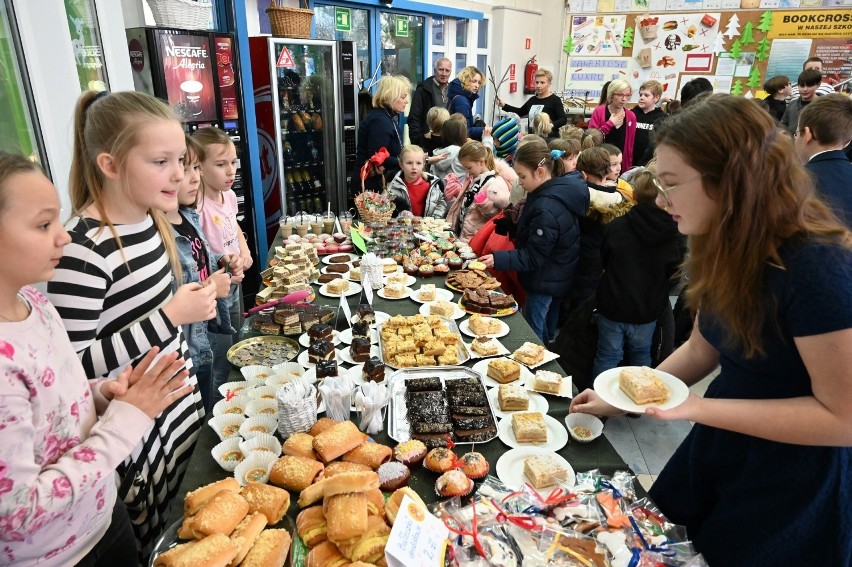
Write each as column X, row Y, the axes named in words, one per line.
column 484, row 192
column 380, row 129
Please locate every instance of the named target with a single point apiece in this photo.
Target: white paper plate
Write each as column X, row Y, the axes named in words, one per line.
column 345, row 336
column 548, row 356
column 440, row 295
column 504, row 329
column 457, row 314
column 305, row 340
column 355, row 373
column 347, row 357
column 537, row 403
column 606, row 385
column 557, row 435
column 352, row 257
column 405, row 294
column 354, row 289
column 381, row 317
column 344, row 275
column 501, row 350
column 303, row 359
column 482, row 368
column 510, row 466
column 409, row 281
column 566, row 391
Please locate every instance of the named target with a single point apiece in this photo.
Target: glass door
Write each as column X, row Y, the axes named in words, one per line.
column 402, row 45
column 346, row 24
column 86, row 41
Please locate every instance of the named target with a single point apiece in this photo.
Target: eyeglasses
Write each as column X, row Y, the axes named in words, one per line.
column 665, row 191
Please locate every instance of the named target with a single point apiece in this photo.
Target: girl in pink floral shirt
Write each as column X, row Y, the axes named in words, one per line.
column 58, row 501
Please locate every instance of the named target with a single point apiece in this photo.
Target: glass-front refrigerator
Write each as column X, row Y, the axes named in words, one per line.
column 305, row 94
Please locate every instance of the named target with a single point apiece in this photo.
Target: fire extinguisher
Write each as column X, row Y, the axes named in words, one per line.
column 529, row 76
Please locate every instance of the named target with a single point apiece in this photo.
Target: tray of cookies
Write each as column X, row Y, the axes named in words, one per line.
column 437, row 407
column 266, row 350
column 421, row 341
column 471, row 279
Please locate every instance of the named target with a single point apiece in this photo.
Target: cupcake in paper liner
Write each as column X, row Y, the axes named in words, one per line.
column 261, row 443
column 230, row 389
column 228, row 454
column 255, row 373
column 263, row 393
column 255, row 468
column 258, row 425
column 474, row 465
column 236, row 405
column 453, row 483
column 278, row 380
column 227, row 426
column 289, row 370
column 583, row 427
column 262, row 408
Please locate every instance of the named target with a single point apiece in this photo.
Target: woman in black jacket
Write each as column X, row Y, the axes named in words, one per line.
column 543, row 101
column 380, row 129
column 547, row 240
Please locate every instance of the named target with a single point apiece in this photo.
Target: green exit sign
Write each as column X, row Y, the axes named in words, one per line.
column 342, row 19
column 402, row 26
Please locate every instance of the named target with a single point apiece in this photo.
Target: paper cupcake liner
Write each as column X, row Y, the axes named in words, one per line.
column 230, row 446
column 255, row 373
column 261, row 443
column 263, row 393
column 288, row 370
column 233, row 388
column 237, row 405
column 257, row 462
column 278, row 380
column 258, row 425
column 586, row 420
column 227, row 426
column 451, row 494
column 262, row 408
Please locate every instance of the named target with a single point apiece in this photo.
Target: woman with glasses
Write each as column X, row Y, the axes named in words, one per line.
column 765, row 469
column 616, row 121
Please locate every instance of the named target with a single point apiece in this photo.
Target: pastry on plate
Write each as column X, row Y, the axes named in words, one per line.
column 485, row 346
column 643, row 386
column 547, row 382
column 426, row 292
column 529, row 427
column 394, row 290
column 442, row 308
column 480, row 325
column 544, row 471
column 374, row 370
column 503, row 370
column 529, row 354
column 511, row 397
column 337, row 287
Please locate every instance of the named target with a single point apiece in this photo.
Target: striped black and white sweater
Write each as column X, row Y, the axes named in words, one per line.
column 111, row 301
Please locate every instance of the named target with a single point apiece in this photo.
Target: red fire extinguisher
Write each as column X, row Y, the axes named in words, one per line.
column 529, row 76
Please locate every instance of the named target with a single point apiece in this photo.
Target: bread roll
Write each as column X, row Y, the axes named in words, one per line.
column 198, row 497
column 295, row 473
column 393, row 503
column 215, row 550
column 311, row 525
column 322, row 424
column 312, row 494
column 325, row 554
column 346, row 515
column 375, row 503
column 370, row 546
column 245, row 534
column 338, row 467
column 270, row 501
column 220, row 515
column 300, row 445
column 350, row 482
column 185, row 531
column 270, row 549
column 337, row 440
column 368, row 453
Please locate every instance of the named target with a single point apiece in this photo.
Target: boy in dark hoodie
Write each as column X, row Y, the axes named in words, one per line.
column 640, row 255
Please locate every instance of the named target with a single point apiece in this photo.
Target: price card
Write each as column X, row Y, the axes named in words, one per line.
column 367, row 286
column 344, row 305
column 417, row 538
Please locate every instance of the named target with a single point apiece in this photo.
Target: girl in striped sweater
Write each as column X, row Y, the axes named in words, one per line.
column 113, row 286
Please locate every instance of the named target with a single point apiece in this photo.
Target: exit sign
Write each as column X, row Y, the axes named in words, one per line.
column 342, row 19
column 402, row 26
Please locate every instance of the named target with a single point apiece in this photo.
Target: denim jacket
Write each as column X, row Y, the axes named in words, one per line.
column 196, row 333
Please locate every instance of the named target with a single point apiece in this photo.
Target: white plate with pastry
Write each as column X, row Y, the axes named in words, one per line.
column 401, row 278
column 335, row 258
column 346, row 355
column 447, row 309
column 491, row 327
column 394, row 292
column 356, row 374
column 440, row 294
column 533, row 355
column 549, row 468
column 486, row 347
column 534, row 402
column 640, row 381
column 345, row 336
column 351, row 288
column 380, row 316
column 550, row 383
column 303, row 359
column 506, row 372
column 345, row 274
column 546, row 433
column 305, row 340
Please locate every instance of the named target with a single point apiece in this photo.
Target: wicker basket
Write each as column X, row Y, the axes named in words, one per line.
column 369, row 214
column 296, row 417
column 290, row 22
column 182, row 14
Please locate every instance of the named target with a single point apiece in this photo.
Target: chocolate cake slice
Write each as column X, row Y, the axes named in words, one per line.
column 321, row 350
column 337, row 269
column 326, row 369
column 325, row 314
column 286, row 316
column 475, row 435
column 308, row 320
column 325, row 278
column 374, row 370
column 501, row 301
column 320, row 331
column 360, row 329
column 366, row 314
column 360, row 349
column 472, row 410
column 433, row 440
column 468, row 399
column 462, row 384
column 471, row 421
column 423, row 384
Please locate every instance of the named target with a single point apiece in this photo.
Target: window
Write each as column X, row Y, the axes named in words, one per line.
column 402, row 45
column 462, row 25
column 437, row 31
column 461, row 62
column 457, row 44
column 325, row 24
column 86, row 42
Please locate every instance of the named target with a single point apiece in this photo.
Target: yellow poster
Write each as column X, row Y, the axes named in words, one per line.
column 812, row 24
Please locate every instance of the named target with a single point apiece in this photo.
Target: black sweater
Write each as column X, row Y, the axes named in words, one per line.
column 552, row 106
column 643, row 146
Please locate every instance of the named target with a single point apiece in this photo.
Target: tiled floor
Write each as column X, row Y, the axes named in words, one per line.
column 646, row 444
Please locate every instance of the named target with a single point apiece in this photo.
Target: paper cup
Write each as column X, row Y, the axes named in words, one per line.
column 257, row 426
column 649, row 32
column 233, row 388
column 263, row 393
column 288, row 370
column 262, row 408
column 228, row 453
column 256, row 373
column 262, row 444
column 583, row 422
column 235, row 406
column 255, row 468
column 227, row 426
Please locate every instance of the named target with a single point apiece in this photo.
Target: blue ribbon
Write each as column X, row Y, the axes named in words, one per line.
column 615, row 493
column 662, row 549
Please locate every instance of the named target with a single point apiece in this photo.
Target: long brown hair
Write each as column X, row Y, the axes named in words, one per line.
column 765, row 198
column 110, row 123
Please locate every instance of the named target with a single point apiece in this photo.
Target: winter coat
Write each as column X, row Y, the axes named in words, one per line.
column 640, row 254
column 599, row 121
column 378, row 130
column 487, row 241
column 450, row 164
column 466, row 216
column 426, row 95
column 547, row 241
column 436, row 205
column 462, row 101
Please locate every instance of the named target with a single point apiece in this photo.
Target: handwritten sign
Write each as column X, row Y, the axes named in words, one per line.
column 417, row 538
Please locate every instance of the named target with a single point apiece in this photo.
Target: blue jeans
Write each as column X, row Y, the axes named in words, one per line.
column 623, row 340
column 220, row 343
column 542, row 314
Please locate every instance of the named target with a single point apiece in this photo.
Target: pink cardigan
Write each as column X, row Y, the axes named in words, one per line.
column 600, row 122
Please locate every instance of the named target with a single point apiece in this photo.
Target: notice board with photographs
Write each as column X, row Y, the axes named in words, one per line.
column 735, row 50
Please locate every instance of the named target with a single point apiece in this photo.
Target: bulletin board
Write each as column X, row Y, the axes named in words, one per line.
column 735, row 50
